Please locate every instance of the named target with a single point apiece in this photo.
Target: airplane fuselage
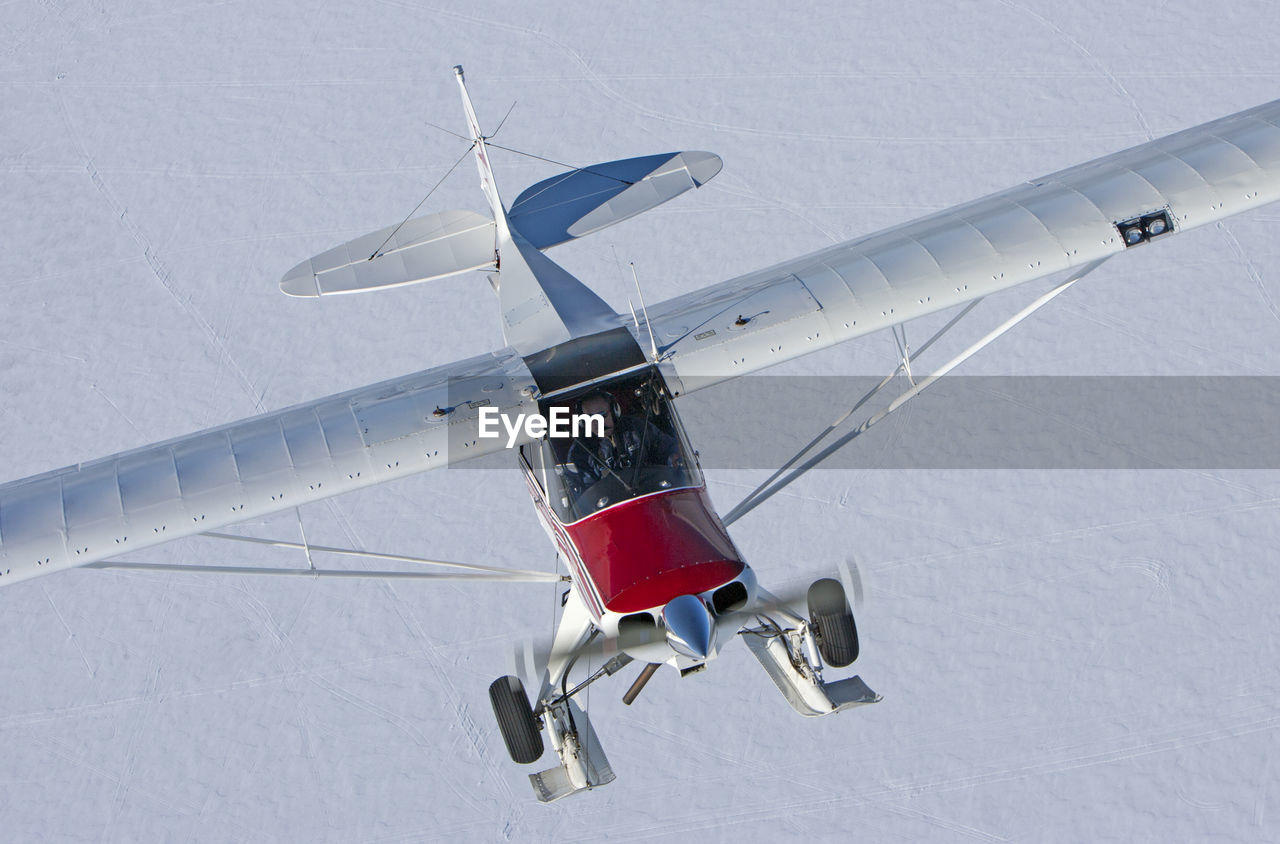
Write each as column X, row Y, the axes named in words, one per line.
column 639, row 535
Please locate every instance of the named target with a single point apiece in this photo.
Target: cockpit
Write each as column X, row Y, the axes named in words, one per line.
column 624, row 441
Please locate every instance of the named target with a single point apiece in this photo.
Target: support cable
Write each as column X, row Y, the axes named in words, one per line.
column 627, row 182
column 378, row 251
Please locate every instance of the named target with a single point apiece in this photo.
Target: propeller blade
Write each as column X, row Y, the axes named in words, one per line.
column 851, row 577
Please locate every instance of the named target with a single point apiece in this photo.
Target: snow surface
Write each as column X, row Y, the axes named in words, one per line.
column 1065, row 655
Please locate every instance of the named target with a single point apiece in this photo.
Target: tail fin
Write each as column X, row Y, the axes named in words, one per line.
column 487, row 183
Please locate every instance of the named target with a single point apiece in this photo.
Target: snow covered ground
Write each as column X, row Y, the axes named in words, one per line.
column 1064, row 655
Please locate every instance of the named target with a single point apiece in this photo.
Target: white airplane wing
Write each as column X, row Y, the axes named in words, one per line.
column 92, row 511
column 102, row 509
column 1063, row 220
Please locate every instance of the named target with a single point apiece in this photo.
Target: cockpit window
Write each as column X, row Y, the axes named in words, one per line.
column 636, row 448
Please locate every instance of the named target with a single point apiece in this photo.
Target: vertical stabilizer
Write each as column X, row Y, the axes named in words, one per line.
column 542, row 304
column 487, row 183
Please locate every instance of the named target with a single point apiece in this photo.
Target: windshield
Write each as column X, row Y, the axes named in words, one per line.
column 633, row 448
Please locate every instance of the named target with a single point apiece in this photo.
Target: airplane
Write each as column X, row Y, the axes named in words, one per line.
column 654, row 575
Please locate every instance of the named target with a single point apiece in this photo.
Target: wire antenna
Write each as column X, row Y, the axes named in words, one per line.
column 503, row 120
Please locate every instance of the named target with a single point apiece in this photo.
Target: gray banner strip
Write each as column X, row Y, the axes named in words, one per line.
column 1016, row 422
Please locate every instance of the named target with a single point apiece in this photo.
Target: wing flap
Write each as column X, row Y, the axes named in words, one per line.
column 255, row 467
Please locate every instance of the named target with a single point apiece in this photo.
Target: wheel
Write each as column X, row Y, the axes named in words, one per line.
column 519, row 728
column 832, row 623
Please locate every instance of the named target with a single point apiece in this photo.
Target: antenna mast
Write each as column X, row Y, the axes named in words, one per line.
column 653, row 343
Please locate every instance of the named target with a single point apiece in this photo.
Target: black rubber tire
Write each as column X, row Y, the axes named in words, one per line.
column 519, row 728
column 832, row 623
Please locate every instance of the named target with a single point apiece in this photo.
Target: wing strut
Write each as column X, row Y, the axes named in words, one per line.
column 471, row 571
column 859, row 403
column 347, row 552
column 769, row 488
column 904, row 351
column 515, row 577
column 306, row 547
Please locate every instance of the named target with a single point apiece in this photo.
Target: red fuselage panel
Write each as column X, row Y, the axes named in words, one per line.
column 642, row 553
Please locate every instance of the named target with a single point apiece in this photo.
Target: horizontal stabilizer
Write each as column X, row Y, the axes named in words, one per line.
column 586, row 200
column 422, row 249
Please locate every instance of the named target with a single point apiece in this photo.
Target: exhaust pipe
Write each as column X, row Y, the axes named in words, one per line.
column 638, row 685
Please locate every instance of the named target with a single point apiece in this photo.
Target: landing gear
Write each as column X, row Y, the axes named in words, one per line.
column 520, row 729
column 580, row 760
column 831, row 622
column 582, row 763
column 793, row 651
